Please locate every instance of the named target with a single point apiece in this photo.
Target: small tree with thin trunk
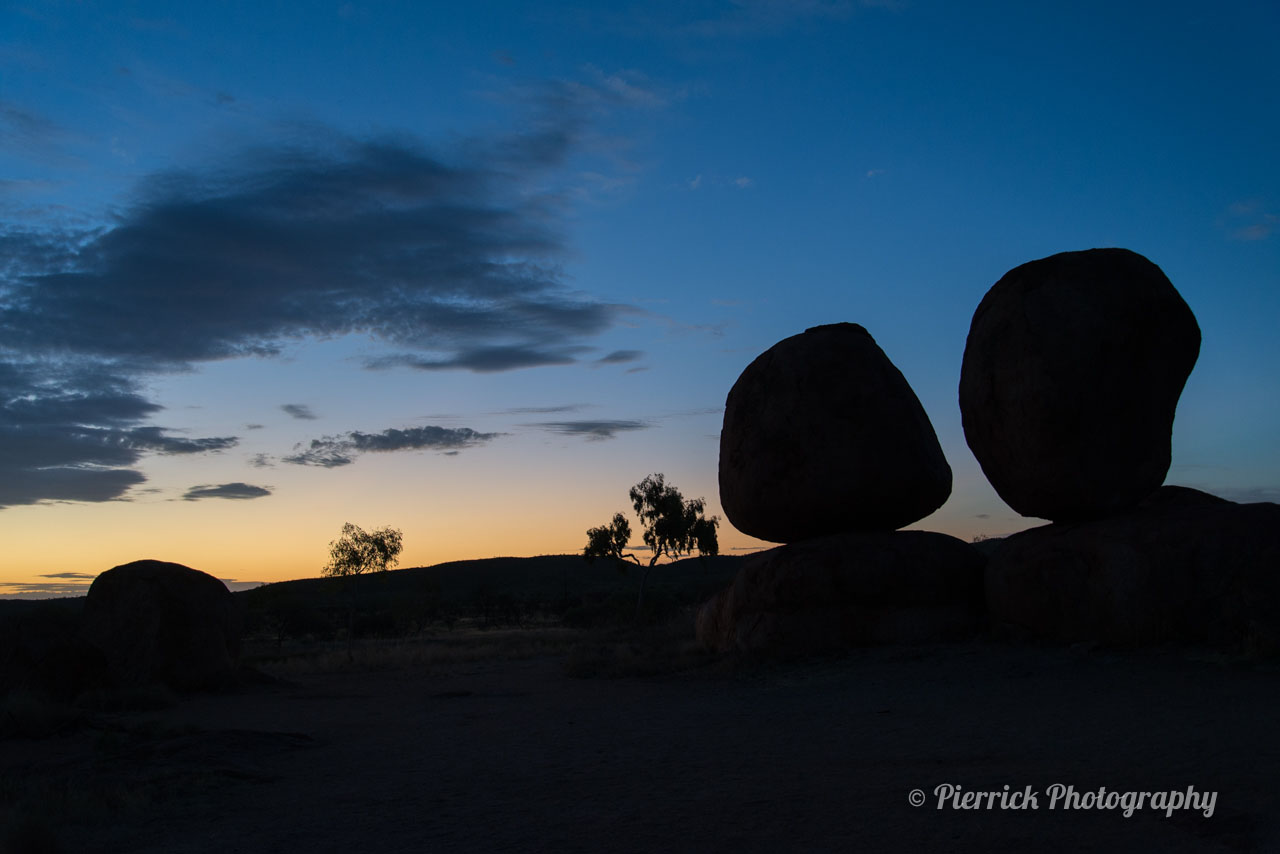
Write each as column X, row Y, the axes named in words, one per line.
column 358, row 551
column 673, row 527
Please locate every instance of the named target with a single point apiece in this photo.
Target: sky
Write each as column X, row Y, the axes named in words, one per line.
column 472, row 270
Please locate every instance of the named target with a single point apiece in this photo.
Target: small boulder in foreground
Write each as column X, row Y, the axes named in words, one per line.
column 160, row 622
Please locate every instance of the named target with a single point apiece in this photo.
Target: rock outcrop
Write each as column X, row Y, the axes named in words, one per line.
column 823, row 435
column 1071, row 375
column 163, row 622
column 832, row 593
column 1182, row 567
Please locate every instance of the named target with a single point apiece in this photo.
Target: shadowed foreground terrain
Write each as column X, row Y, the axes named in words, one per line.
column 493, row 753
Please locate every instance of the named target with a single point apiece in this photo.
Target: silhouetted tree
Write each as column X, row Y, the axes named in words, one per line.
column 673, row 527
column 358, row 551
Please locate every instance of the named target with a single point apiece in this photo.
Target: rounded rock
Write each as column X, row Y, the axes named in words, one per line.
column 160, row 622
column 1072, row 371
column 823, row 435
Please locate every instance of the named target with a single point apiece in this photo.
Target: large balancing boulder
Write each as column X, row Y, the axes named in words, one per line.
column 848, row 590
column 1181, row 567
column 159, row 622
column 823, row 435
column 1071, row 375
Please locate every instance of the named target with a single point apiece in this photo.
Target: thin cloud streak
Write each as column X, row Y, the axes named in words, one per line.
column 594, row 431
column 299, row 410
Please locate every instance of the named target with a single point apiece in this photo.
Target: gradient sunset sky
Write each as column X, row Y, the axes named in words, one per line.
column 474, row 269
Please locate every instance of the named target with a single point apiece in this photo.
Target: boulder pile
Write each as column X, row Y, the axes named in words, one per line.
column 1072, row 372
column 1070, row 379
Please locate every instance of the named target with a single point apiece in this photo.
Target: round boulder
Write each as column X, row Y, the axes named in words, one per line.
column 823, row 435
column 164, row 622
column 1181, row 567
column 1071, row 375
column 848, row 590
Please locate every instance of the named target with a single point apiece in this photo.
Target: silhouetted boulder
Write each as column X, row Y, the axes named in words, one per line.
column 1071, row 375
column 164, row 622
column 848, row 590
column 823, row 435
column 1183, row 566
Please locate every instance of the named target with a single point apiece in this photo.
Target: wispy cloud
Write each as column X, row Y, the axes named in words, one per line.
column 238, row 491
column 620, row 357
column 1251, row 220
column 341, row 450
column 540, row 410
column 592, row 430
column 299, row 410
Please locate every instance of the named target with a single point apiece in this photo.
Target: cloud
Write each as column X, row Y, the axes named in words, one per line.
column 743, row 182
column 300, row 411
column 335, row 451
column 449, row 258
column 619, row 357
column 1251, row 221
column 70, row 431
column 540, row 410
column 592, row 430
column 376, row 237
column 225, row 490
column 27, row 132
column 154, row 439
column 42, row 589
column 88, row 575
column 483, row 360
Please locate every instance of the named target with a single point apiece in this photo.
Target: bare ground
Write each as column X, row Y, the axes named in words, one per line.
column 517, row 756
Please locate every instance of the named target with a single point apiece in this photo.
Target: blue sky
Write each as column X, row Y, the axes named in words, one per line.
column 473, row 270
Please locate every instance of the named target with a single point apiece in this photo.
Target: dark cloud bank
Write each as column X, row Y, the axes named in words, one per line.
column 452, row 262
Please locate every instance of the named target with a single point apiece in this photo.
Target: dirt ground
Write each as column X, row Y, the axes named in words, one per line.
column 518, row 756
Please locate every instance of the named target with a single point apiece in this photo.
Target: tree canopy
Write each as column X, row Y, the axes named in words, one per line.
column 672, row 527
column 358, row 551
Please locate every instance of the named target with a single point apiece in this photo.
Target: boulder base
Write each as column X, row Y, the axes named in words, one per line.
column 823, row 435
column 848, row 590
column 1072, row 371
column 164, row 622
column 1183, row 566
